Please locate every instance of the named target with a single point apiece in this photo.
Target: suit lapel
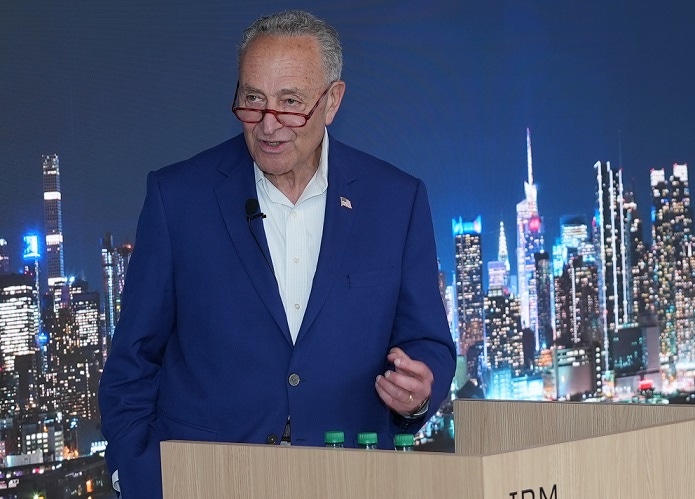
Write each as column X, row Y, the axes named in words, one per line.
column 237, row 186
column 342, row 202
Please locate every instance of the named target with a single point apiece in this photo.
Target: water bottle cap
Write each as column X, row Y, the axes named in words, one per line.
column 404, row 440
column 334, row 437
column 367, row 438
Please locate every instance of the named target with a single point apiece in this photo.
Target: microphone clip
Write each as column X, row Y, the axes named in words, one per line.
column 249, row 218
column 253, row 210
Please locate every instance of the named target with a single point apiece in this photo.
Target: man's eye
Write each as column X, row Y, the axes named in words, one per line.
column 291, row 102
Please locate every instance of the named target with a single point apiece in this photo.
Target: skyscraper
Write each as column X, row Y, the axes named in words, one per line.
column 614, row 269
column 577, row 315
column 573, row 241
column 573, row 232
column 114, row 264
column 641, row 261
column 529, row 242
column 52, row 202
column 672, row 239
column 4, row 257
column 18, row 317
column 469, row 281
column 503, row 341
column 498, row 271
column 19, row 311
column 544, row 293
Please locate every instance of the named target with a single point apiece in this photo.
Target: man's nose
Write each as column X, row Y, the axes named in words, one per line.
column 270, row 123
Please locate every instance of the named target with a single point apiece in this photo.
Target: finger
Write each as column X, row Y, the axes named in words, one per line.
column 404, row 383
column 395, row 397
column 415, row 368
column 396, row 352
column 403, row 393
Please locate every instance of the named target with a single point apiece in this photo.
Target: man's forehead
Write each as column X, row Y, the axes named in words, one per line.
column 274, row 65
column 269, row 46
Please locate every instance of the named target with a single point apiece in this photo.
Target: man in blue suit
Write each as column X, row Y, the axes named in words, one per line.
column 282, row 284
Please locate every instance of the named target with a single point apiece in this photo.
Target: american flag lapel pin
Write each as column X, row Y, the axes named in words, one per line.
column 345, row 202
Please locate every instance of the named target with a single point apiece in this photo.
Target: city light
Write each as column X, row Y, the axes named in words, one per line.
column 31, row 247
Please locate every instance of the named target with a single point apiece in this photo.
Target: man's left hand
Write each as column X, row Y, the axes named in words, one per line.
column 408, row 387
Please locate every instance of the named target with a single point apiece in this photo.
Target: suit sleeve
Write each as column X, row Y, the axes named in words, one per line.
column 421, row 327
column 130, row 382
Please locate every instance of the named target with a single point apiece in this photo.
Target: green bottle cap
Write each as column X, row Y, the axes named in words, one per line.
column 366, row 438
column 404, row 440
column 334, row 437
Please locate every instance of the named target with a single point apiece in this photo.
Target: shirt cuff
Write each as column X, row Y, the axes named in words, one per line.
column 114, row 481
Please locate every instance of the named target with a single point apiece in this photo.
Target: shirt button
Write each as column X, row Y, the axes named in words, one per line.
column 294, row 379
column 296, row 305
column 296, row 259
column 294, row 214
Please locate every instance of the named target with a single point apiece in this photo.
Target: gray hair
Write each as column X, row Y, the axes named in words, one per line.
column 300, row 23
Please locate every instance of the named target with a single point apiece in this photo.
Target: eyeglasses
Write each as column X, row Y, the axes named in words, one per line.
column 292, row 120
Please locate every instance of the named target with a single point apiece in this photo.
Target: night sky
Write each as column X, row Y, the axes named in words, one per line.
column 443, row 90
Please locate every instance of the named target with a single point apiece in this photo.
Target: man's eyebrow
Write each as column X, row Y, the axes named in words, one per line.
column 249, row 89
column 282, row 92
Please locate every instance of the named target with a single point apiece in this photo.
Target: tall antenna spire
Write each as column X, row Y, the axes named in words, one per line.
column 502, row 253
column 529, row 158
column 529, row 187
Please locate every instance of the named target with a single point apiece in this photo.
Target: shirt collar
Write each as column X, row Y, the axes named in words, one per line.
column 317, row 185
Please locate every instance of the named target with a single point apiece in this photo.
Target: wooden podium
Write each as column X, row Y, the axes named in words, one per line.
column 518, row 450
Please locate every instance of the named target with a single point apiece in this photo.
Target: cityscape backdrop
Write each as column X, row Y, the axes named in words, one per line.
column 452, row 92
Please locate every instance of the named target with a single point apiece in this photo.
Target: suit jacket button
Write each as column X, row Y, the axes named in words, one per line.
column 294, row 379
column 271, row 439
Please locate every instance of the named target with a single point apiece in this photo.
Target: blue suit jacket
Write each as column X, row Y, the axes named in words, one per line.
column 202, row 350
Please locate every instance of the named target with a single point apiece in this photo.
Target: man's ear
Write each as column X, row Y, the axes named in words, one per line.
column 333, row 100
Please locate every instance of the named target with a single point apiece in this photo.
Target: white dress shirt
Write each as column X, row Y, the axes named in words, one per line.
column 294, row 234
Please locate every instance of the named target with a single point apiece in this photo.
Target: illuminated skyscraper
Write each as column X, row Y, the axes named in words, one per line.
column 614, row 269
column 577, row 314
column 447, row 294
column 573, row 241
column 31, row 258
column 52, row 202
column 496, row 276
column 75, row 354
column 573, row 232
column 498, row 271
column 529, row 242
column 84, row 306
column 4, row 257
column 544, row 293
column 672, row 239
column 18, row 317
column 85, row 310
column 114, row 264
column 503, row 342
column 641, row 261
column 18, row 330
column 469, row 282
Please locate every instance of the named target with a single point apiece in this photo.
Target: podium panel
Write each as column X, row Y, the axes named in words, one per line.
column 517, row 450
column 649, row 463
column 491, row 426
column 202, row 470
